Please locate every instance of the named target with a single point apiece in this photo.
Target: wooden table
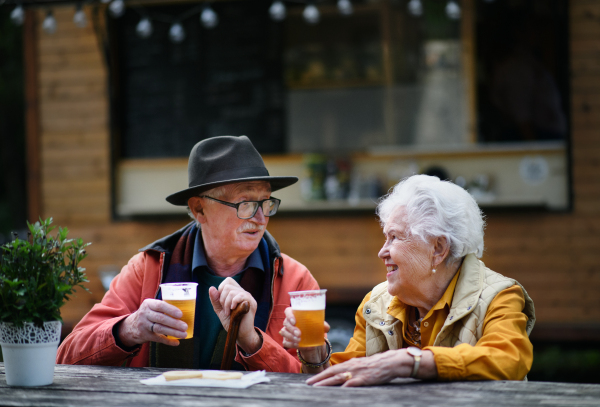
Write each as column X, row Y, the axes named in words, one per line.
column 112, row 386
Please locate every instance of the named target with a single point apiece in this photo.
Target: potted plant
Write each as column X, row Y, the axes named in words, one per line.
column 37, row 276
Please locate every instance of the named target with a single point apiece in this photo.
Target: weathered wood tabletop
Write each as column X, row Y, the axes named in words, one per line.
column 112, row 386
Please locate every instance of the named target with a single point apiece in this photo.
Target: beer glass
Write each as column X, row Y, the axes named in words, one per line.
column 309, row 311
column 183, row 296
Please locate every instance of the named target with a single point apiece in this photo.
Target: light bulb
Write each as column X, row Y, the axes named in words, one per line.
column 311, row 14
column 209, row 18
column 345, row 7
column 117, row 8
column 176, row 33
column 277, row 11
column 415, row 7
column 49, row 23
column 79, row 18
column 453, row 10
column 144, row 28
column 18, row 15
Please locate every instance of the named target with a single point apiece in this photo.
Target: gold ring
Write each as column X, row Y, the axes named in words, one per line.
column 347, row 376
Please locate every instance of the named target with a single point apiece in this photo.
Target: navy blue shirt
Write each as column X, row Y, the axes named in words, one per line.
column 207, row 325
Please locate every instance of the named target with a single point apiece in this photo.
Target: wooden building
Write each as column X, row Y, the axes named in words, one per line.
column 72, row 176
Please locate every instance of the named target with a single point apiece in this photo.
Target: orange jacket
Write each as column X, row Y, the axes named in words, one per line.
column 92, row 341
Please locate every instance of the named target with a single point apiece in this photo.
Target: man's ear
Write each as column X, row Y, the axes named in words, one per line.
column 441, row 250
column 195, row 205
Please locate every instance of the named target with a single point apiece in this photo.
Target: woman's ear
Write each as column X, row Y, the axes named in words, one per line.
column 195, row 205
column 441, row 250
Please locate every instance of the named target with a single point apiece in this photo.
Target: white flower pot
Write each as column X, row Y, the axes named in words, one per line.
column 29, row 353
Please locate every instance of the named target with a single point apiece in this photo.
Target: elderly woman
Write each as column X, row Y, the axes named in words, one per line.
column 441, row 314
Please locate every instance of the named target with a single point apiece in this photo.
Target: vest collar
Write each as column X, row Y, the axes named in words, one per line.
column 468, row 288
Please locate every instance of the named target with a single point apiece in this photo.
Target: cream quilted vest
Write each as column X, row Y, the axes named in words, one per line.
column 475, row 289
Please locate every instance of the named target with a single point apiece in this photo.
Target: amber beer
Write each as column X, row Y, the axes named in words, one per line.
column 183, row 296
column 309, row 310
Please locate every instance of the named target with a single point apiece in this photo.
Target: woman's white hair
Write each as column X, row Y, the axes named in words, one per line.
column 437, row 208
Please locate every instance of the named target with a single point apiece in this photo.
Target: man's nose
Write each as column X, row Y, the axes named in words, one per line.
column 259, row 216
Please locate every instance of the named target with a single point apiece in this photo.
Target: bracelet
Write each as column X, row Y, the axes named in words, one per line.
column 315, row 365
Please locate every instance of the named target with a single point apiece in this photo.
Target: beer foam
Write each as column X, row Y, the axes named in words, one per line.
column 178, row 291
column 308, row 303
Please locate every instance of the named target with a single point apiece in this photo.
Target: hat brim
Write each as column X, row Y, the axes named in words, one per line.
column 181, row 198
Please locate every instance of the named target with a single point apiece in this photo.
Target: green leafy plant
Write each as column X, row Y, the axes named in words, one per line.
column 38, row 275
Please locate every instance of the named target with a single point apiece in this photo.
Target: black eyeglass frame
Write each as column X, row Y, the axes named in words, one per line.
column 237, row 205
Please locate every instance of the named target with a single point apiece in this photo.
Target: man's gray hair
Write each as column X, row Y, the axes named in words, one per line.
column 216, row 193
column 437, row 208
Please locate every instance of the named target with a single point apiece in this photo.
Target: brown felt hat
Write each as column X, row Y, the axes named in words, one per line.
column 224, row 160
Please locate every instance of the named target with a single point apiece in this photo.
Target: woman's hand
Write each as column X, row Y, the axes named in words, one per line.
column 377, row 369
column 291, row 340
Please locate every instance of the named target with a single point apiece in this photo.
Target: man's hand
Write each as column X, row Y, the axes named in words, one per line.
column 224, row 300
column 151, row 322
column 376, row 369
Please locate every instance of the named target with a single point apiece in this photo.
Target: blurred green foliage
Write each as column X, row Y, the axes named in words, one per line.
column 38, row 275
column 566, row 362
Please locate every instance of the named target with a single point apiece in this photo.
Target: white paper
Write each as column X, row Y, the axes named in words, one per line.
column 246, row 381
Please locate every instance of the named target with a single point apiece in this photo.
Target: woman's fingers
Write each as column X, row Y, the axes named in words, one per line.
column 334, row 380
column 289, row 315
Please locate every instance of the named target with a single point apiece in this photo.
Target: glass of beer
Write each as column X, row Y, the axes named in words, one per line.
column 309, row 310
column 183, row 296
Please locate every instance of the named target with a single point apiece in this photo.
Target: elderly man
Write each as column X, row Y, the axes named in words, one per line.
column 227, row 251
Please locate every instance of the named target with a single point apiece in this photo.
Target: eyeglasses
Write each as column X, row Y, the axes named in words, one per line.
column 247, row 209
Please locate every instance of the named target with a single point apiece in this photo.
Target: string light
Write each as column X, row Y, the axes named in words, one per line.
column 415, row 7
column 177, row 33
column 18, row 15
column 277, row 11
column 311, row 14
column 345, row 7
column 49, row 24
column 453, row 10
column 79, row 17
column 144, row 28
column 116, row 8
column 208, row 17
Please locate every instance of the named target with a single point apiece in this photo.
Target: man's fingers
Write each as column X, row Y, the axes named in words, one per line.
column 228, row 282
column 215, row 299
column 166, row 320
column 165, row 340
column 327, row 327
column 159, row 329
column 164, row 307
column 238, row 299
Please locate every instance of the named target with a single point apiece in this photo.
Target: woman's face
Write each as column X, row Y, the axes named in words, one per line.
column 408, row 260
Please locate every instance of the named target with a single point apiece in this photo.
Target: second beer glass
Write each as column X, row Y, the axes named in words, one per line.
column 183, row 296
column 309, row 311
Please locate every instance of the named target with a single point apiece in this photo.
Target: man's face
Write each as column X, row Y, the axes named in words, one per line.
column 224, row 232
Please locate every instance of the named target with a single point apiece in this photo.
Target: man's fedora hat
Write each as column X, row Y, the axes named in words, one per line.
column 224, row 160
